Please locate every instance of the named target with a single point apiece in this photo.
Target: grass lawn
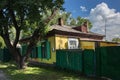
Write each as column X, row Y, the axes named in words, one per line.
column 37, row 73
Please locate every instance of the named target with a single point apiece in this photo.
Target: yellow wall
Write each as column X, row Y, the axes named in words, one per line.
column 61, row 42
column 56, row 42
column 87, row 45
column 102, row 44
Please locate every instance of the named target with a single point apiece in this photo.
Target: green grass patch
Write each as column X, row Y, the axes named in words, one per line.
column 37, row 73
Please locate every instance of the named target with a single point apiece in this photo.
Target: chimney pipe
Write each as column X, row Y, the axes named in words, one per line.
column 86, row 25
column 60, row 22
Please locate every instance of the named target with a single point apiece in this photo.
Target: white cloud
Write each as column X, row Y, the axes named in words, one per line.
column 83, row 8
column 102, row 16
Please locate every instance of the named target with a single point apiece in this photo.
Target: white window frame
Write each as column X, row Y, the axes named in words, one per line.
column 74, row 44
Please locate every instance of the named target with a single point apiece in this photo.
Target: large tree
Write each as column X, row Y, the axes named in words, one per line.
column 23, row 16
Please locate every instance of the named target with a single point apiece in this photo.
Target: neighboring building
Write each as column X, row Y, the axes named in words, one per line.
column 66, row 37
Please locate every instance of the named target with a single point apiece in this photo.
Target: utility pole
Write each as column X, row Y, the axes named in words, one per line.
column 105, row 29
column 105, row 21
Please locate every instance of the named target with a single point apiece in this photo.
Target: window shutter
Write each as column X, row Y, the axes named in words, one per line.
column 31, row 56
column 43, row 50
column 48, row 49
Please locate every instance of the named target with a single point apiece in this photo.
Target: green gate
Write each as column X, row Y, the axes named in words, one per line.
column 69, row 59
column 77, row 60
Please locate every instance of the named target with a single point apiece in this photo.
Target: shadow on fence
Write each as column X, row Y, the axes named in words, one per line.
column 102, row 62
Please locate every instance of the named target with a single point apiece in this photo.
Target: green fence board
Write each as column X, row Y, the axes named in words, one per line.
column 39, row 52
column 89, row 62
column 7, row 55
column 98, row 61
column 34, row 53
column 104, row 56
column 1, row 54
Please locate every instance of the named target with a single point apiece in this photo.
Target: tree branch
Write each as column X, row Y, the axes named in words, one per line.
column 36, row 32
column 50, row 17
column 25, row 40
column 17, row 28
column 13, row 18
column 18, row 32
column 16, row 38
column 1, row 17
column 36, row 36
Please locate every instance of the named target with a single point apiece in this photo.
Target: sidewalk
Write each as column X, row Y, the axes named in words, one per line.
column 2, row 76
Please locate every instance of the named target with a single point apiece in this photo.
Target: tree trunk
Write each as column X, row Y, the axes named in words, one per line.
column 19, row 59
column 22, row 64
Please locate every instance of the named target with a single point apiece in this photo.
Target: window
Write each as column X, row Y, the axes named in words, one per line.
column 41, row 51
column 73, row 43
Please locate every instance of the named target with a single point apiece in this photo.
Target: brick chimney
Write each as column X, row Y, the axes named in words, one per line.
column 60, row 22
column 82, row 28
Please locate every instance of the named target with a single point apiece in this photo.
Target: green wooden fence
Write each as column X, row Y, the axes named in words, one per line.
column 5, row 55
column 76, row 60
column 41, row 51
column 104, row 61
column 69, row 59
column 107, row 60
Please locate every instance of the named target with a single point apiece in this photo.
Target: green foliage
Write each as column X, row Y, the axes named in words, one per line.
column 66, row 17
column 61, row 14
column 27, row 19
column 79, row 21
column 116, row 39
column 2, row 44
column 68, row 20
column 29, row 14
column 12, row 33
column 73, row 22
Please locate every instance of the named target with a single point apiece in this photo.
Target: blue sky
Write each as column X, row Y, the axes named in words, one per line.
column 73, row 6
column 102, row 13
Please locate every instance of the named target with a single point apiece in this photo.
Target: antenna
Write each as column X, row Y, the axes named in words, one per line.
column 105, row 28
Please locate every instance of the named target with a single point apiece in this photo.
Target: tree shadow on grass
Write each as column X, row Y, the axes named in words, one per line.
column 42, row 73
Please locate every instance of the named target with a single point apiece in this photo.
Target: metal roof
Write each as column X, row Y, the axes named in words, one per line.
column 70, row 29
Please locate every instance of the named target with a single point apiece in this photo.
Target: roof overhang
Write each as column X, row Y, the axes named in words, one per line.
column 82, row 35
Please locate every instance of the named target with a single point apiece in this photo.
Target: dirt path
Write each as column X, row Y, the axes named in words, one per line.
column 2, row 76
